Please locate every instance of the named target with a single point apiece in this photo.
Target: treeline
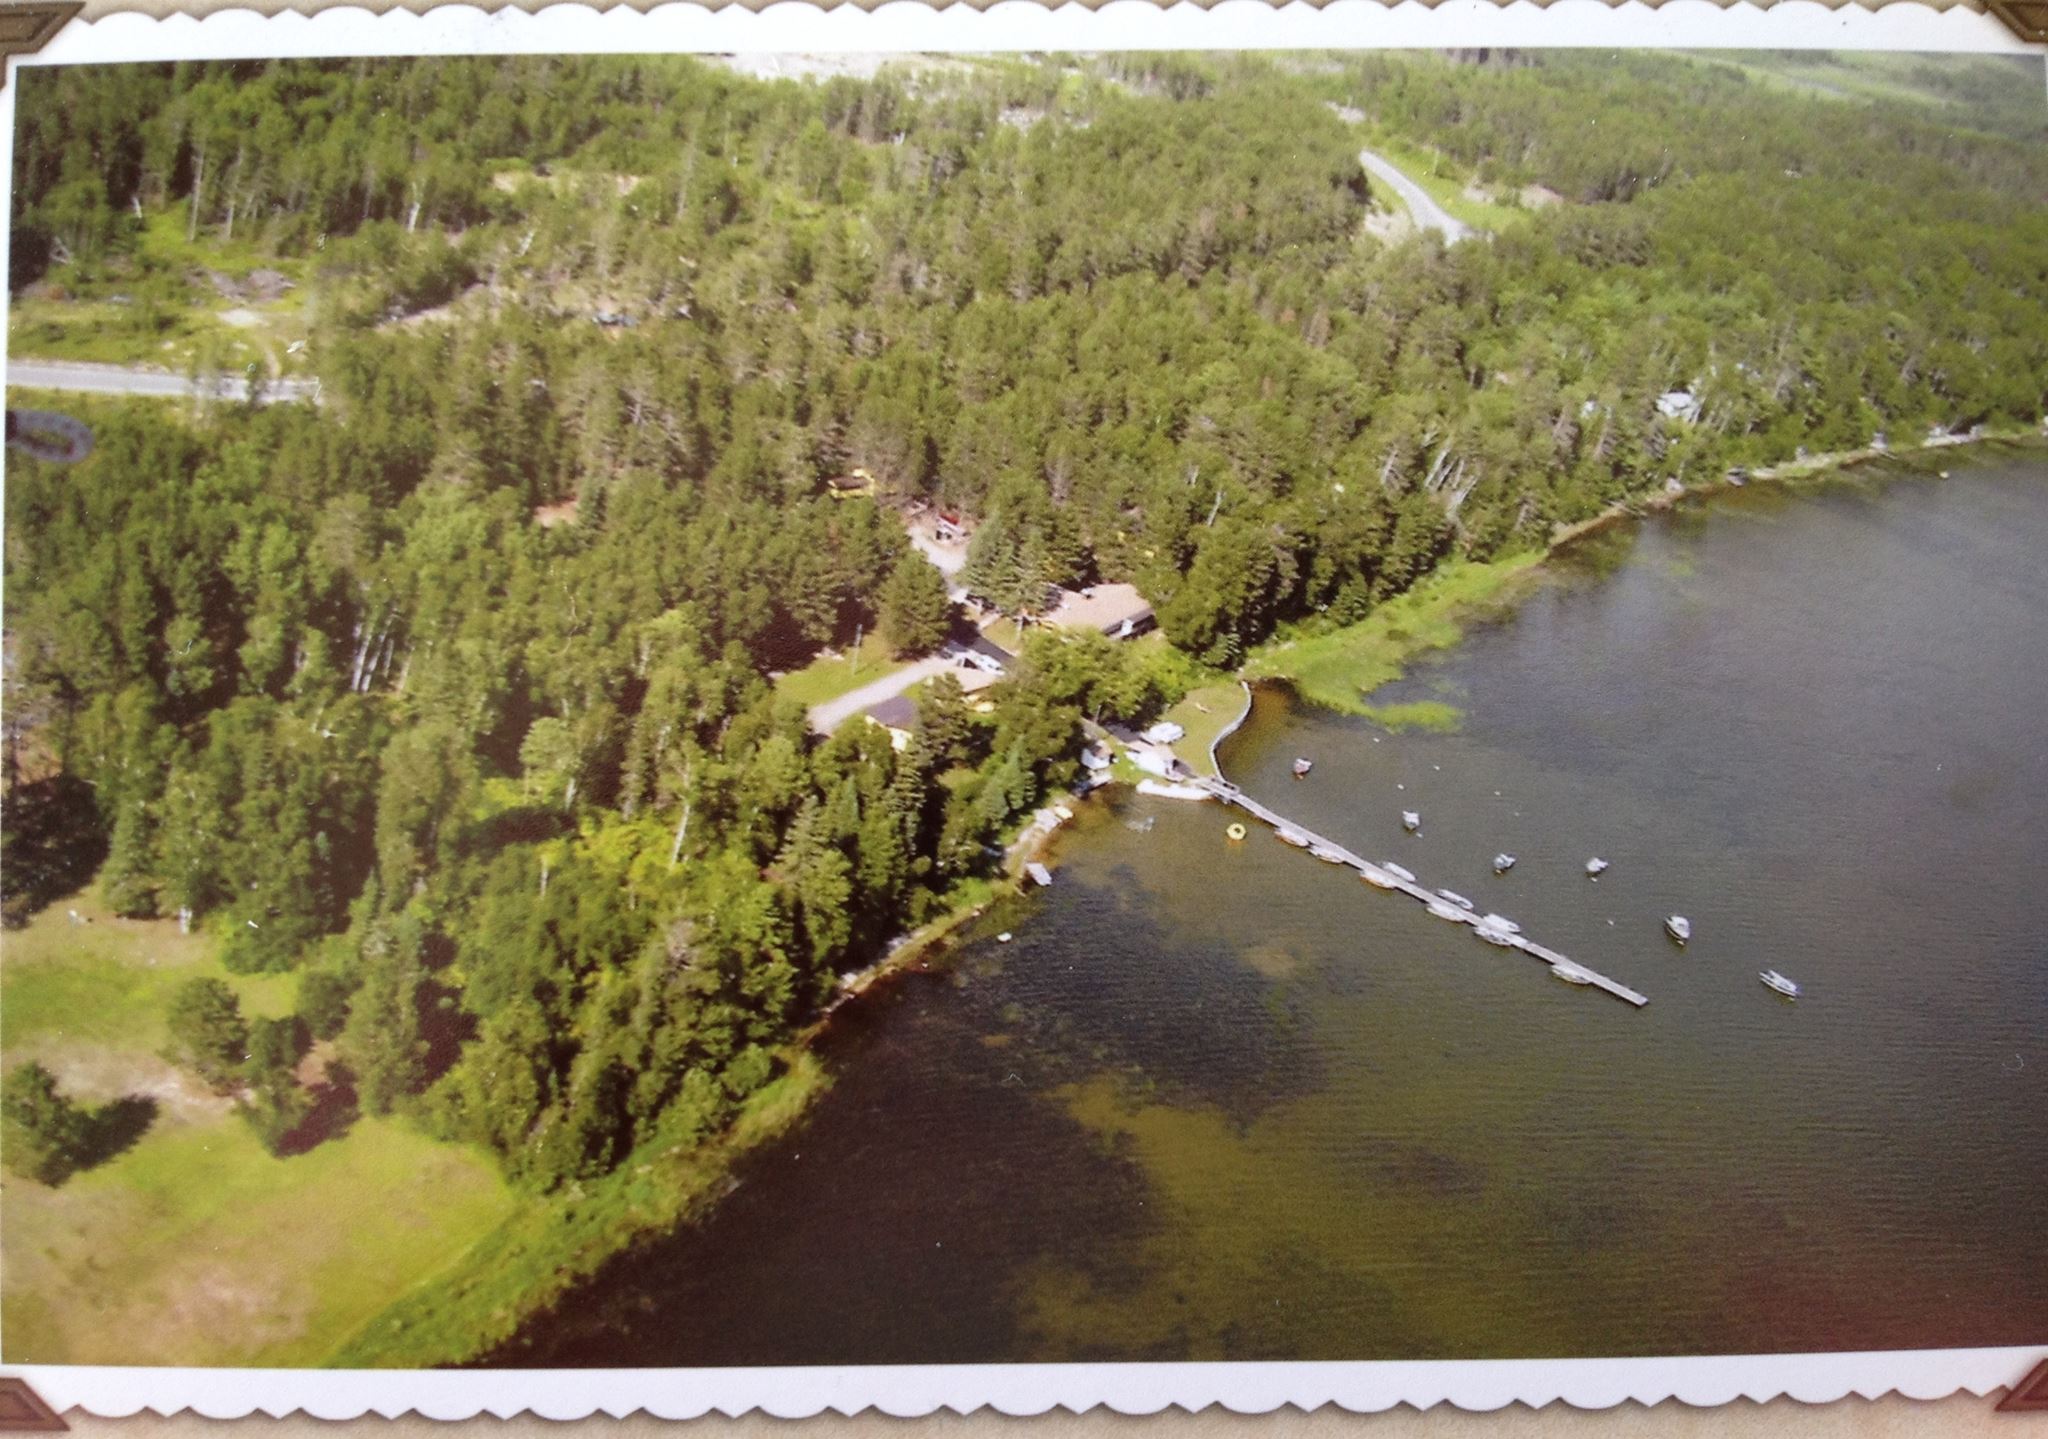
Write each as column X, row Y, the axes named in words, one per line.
column 520, row 803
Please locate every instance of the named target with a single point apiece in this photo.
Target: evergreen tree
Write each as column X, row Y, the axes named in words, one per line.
column 913, row 611
column 46, row 1134
column 208, row 1034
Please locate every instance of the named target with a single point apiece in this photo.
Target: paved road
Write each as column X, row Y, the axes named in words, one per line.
column 143, row 380
column 1427, row 213
column 831, row 714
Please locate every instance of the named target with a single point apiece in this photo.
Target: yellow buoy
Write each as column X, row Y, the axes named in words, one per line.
column 1236, row 832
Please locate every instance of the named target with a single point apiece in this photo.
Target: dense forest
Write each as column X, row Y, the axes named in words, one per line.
column 520, row 802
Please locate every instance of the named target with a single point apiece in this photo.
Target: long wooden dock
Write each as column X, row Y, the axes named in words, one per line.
column 1383, row 878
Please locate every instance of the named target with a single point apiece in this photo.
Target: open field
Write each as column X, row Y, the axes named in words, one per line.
column 194, row 1245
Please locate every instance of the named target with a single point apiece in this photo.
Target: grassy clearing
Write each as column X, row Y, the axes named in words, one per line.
column 1445, row 183
column 830, row 676
column 109, row 982
column 1205, row 713
column 195, row 1246
column 532, row 1258
column 157, row 306
column 1339, row 668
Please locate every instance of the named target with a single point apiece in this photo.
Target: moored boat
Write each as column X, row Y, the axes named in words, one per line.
column 1571, row 975
column 1678, row 927
column 1503, row 862
column 1494, row 935
column 1778, row 982
column 1326, row 854
column 1291, row 836
column 1395, row 870
column 1439, row 910
column 1378, row 878
column 1455, row 898
column 1500, row 922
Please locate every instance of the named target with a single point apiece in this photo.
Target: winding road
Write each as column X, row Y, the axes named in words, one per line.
column 94, row 379
column 1426, row 212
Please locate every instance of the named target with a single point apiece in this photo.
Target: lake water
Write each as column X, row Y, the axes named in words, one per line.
column 1220, row 1101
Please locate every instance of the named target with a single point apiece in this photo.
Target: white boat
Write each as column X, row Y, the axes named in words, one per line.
column 1440, row 910
column 1455, row 898
column 1378, row 878
column 1678, row 927
column 1291, row 836
column 1500, row 922
column 1410, row 820
column 1503, row 862
column 1039, row 873
column 1302, row 767
column 1395, row 870
column 1493, row 935
column 1595, row 867
column 1778, row 982
column 1570, row 975
column 1005, row 937
column 1327, row 855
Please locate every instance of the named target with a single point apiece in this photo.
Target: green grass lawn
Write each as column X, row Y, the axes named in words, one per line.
column 1203, row 713
column 830, row 676
column 109, row 982
column 195, row 1246
column 1340, row 668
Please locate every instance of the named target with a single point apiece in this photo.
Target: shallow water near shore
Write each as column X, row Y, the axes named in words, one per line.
column 1219, row 1101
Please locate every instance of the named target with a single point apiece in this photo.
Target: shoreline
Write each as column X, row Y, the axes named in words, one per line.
column 515, row 1275
column 1357, row 660
column 1785, row 473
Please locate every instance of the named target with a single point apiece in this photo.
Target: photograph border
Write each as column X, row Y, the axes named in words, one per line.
column 684, row 26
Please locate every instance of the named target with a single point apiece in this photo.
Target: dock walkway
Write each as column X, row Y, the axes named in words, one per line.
column 1383, row 878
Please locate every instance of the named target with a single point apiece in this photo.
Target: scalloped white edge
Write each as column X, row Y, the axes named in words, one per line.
column 1021, row 1389
column 1028, row 25
column 908, row 1391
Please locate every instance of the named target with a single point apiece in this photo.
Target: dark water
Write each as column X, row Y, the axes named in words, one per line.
column 1224, row 1102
